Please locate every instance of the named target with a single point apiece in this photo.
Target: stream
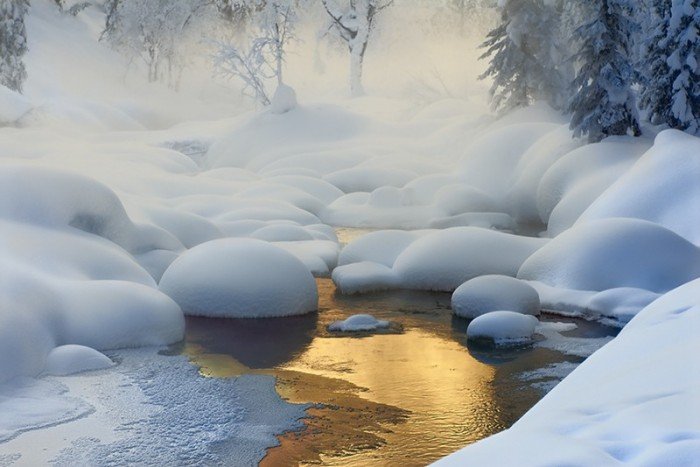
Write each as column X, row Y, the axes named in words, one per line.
column 405, row 396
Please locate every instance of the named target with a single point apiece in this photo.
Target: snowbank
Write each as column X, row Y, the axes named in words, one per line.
column 613, row 253
column 240, row 278
column 626, row 404
column 661, row 187
column 13, row 106
column 491, row 293
column 503, row 328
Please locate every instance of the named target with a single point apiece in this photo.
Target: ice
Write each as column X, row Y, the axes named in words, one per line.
column 71, row 359
column 612, row 253
column 240, row 278
column 503, row 328
column 488, row 293
column 358, row 323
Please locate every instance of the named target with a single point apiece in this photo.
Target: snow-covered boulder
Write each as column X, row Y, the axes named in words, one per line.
column 661, row 187
column 284, row 100
column 484, row 294
column 612, row 253
column 358, row 323
column 503, row 328
column 445, row 259
column 240, row 278
column 575, row 180
column 71, row 359
column 382, row 247
column 365, row 276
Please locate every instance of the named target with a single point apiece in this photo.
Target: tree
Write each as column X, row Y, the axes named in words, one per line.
column 13, row 43
column 604, row 103
column 262, row 58
column 671, row 90
column 527, row 55
column 152, row 31
column 354, row 24
column 655, row 76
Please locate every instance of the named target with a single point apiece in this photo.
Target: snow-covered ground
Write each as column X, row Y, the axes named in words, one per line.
column 102, row 196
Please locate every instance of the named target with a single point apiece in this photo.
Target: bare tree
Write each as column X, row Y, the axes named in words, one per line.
column 354, row 24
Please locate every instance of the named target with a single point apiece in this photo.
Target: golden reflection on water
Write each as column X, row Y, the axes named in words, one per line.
column 391, row 399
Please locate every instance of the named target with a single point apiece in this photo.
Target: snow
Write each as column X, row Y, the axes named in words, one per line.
column 488, row 293
column 612, row 253
column 445, row 259
column 660, row 188
column 240, row 278
column 503, row 328
column 626, row 404
column 284, row 100
column 364, row 276
column 13, row 105
column 358, row 323
column 71, row 359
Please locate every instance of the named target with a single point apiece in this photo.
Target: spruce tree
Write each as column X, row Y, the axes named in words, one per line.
column 604, row 103
column 13, row 43
column 655, row 76
column 527, row 57
column 684, row 67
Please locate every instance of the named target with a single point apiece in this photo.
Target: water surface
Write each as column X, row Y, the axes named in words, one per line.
column 407, row 396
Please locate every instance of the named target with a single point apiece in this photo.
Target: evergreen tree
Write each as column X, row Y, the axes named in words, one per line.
column 604, row 103
column 655, row 77
column 527, row 56
column 684, row 70
column 13, row 43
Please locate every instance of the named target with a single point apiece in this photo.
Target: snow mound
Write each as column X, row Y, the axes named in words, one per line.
column 490, row 161
column 71, row 359
column 240, row 278
column 661, row 187
column 503, row 328
column 365, row 276
column 12, row 105
column 575, row 180
column 613, row 253
column 358, row 323
column 284, row 100
column 382, row 247
column 491, row 293
column 445, row 259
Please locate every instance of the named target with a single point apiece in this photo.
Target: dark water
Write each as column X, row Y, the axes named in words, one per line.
column 405, row 397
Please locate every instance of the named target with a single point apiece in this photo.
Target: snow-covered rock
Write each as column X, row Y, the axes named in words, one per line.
column 613, row 253
column 492, row 293
column 365, row 276
column 661, row 187
column 503, row 328
column 445, row 259
column 382, row 246
column 358, row 323
column 240, row 278
column 284, row 100
column 71, row 359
